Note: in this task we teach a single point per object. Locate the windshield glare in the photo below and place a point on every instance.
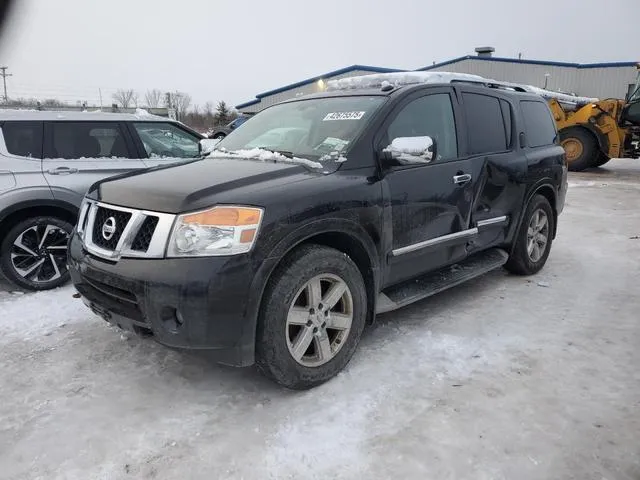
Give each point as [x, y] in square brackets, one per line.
[307, 129]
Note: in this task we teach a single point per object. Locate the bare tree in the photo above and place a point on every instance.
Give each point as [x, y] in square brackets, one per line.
[153, 98]
[181, 101]
[208, 110]
[125, 97]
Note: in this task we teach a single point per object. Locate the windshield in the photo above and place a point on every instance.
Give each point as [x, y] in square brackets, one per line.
[635, 92]
[318, 129]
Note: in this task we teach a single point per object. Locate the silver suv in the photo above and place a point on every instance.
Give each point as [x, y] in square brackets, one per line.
[49, 159]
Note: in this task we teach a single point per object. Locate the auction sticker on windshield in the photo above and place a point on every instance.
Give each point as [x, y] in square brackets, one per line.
[343, 116]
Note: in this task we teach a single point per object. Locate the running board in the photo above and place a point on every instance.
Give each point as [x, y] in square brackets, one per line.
[419, 288]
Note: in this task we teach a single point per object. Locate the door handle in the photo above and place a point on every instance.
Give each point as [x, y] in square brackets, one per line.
[62, 171]
[460, 179]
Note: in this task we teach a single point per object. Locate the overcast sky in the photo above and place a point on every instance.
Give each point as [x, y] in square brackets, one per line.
[232, 50]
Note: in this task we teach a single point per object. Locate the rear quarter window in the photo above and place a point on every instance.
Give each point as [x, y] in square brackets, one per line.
[23, 138]
[486, 123]
[539, 124]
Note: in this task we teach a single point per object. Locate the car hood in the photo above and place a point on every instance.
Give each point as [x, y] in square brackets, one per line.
[196, 184]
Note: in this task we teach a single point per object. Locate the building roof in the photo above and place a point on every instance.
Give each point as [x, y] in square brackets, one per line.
[352, 68]
[49, 115]
[530, 62]
[371, 69]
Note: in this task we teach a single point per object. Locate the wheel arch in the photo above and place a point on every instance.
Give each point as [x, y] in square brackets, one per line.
[343, 235]
[29, 208]
[547, 190]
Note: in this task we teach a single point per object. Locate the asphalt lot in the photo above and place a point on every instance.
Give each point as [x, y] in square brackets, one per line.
[502, 378]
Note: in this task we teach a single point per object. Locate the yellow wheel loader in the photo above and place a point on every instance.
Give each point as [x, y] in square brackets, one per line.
[594, 132]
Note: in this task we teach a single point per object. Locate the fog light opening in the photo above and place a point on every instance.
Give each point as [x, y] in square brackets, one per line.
[171, 319]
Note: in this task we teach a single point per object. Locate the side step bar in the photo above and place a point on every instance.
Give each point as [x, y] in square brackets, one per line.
[419, 288]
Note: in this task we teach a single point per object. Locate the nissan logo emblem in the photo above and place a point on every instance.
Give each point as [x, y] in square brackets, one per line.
[109, 228]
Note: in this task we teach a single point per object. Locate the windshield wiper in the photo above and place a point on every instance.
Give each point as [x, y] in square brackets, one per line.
[284, 153]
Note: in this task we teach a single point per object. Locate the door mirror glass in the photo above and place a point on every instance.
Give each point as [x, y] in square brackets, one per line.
[207, 145]
[411, 150]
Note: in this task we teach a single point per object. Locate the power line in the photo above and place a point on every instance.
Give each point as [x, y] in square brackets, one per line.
[4, 81]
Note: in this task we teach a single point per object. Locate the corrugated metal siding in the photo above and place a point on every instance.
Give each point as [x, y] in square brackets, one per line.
[294, 92]
[607, 82]
[610, 82]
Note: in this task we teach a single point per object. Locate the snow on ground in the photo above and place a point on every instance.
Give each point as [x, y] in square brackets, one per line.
[501, 378]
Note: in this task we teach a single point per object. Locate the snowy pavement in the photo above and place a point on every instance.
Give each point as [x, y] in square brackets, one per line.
[502, 378]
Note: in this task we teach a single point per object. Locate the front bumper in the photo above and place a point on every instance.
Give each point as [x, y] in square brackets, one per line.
[207, 303]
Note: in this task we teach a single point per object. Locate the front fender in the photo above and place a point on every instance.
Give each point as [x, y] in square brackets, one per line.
[280, 250]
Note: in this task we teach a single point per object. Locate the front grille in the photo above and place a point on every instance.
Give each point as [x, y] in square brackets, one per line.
[129, 232]
[102, 215]
[143, 238]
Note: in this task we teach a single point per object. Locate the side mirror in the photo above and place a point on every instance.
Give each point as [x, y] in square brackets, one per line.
[207, 145]
[410, 150]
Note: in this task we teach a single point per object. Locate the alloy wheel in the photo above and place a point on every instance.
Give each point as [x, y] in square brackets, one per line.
[39, 253]
[537, 235]
[319, 320]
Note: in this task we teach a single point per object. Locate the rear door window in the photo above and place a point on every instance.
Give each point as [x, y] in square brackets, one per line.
[486, 127]
[539, 124]
[23, 138]
[76, 140]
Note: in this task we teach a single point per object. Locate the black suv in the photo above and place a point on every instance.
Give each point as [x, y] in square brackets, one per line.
[281, 245]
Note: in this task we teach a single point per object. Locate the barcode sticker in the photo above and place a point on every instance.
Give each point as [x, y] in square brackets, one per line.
[343, 116]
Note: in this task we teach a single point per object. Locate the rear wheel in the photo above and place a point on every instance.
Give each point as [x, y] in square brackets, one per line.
[34, 253]
[312, 317]
[580, 147]
[533, 240]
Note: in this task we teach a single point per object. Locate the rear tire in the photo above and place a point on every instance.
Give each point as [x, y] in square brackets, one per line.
[34, 253]
[534, 238]
[301, 342]
[580, 147]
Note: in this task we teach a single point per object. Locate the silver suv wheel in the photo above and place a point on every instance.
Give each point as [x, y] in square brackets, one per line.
[33, 253]
[319, 320]
[39, 254]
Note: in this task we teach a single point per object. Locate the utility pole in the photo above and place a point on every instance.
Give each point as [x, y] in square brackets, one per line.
[4, 81]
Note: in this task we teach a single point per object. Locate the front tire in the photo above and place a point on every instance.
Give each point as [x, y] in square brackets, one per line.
[581, 148]
[34, 253]
[312, 317]
[533, 240]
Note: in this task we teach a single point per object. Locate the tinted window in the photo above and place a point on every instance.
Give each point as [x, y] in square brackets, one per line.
[431, 115]
[539, 124]
[23, 138]
[75, 140]
[167, 140]
[486, 127]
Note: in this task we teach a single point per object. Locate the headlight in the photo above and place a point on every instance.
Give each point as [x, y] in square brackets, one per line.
[222, 230]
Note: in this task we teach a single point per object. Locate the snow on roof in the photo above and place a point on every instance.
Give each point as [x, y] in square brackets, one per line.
[565, 98]
[397, 79]
[96, 115]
